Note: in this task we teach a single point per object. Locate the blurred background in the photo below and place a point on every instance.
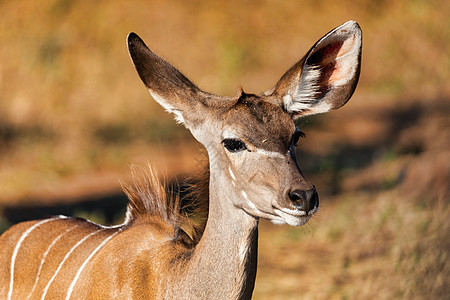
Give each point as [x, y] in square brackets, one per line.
[74, 115]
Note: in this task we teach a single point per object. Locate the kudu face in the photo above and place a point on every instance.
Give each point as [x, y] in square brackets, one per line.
[251, 139]
[258, 153]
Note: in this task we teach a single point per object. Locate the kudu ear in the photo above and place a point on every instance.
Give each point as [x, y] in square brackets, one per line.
[171, 89]
[326, 77]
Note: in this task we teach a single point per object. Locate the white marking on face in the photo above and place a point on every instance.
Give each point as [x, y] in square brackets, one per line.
[250, 203]
[45, 256]
[64, 260]
[231, 174]
[294, 212]
[16, 251]
[278, 221]
[269, 153]
[74, 281]
[228, 134]
[233, 178]
[293, 217]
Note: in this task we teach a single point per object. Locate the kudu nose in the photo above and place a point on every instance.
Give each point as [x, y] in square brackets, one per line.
[305, 200]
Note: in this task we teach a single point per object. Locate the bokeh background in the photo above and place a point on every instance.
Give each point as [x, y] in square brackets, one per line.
[74, 115]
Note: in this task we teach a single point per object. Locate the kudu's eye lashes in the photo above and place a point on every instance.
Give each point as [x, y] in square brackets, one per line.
[234, 145]
[297, 135]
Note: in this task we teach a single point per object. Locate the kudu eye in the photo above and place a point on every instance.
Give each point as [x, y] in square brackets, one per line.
[297, 135]
[234, 145]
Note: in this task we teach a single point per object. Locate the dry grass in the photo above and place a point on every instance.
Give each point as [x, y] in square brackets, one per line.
[71, 101]
[73, 110]
[360, 247]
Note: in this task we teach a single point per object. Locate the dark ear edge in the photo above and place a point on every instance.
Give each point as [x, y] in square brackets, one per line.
[326, 77]
[155, 72]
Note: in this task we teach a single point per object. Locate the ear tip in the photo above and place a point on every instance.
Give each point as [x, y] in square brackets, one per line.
[351, 26]
[351, 23]
[133, 40]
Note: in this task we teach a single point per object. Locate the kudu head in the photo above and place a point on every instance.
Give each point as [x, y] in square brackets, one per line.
[251, 139]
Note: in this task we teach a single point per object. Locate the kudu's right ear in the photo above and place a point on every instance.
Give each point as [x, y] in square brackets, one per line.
[326, 77]
[171, 89]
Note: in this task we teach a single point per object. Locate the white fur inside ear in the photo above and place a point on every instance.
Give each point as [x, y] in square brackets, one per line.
[169, 108]
[308, 87]
[332, 71]
[306, 93]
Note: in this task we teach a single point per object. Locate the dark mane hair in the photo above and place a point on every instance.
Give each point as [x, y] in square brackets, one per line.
[151, 200]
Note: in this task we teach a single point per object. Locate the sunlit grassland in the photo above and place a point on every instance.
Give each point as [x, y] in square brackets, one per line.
[359, 247]
[69, 91]
[74, 115]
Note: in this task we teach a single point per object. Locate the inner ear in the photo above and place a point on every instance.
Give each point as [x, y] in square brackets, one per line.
[327, 76]
[330, 65]
[324, 62]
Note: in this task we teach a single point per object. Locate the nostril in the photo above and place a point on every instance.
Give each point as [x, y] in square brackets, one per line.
[314, 200]
[305, 200]
[298, 198]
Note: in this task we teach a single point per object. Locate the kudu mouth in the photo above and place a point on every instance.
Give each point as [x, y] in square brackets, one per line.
[301, 206]
[304, 205]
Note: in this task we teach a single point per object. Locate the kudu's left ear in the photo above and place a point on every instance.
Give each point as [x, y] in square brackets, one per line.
[326, 77]
[171, 89]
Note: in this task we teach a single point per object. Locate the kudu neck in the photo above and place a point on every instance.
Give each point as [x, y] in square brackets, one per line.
[226, 255]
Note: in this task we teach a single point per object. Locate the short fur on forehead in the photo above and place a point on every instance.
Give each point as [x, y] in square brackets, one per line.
[261, 123]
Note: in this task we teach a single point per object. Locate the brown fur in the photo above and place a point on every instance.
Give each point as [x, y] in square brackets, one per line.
[274, 128]
[197, 200]
[150, 199]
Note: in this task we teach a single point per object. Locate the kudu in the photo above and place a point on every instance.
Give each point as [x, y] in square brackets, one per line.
[250, 140]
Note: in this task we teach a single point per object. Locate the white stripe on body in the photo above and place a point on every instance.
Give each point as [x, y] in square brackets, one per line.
[16, 250]
[64, 260]
[44, 256]
[72, 285]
